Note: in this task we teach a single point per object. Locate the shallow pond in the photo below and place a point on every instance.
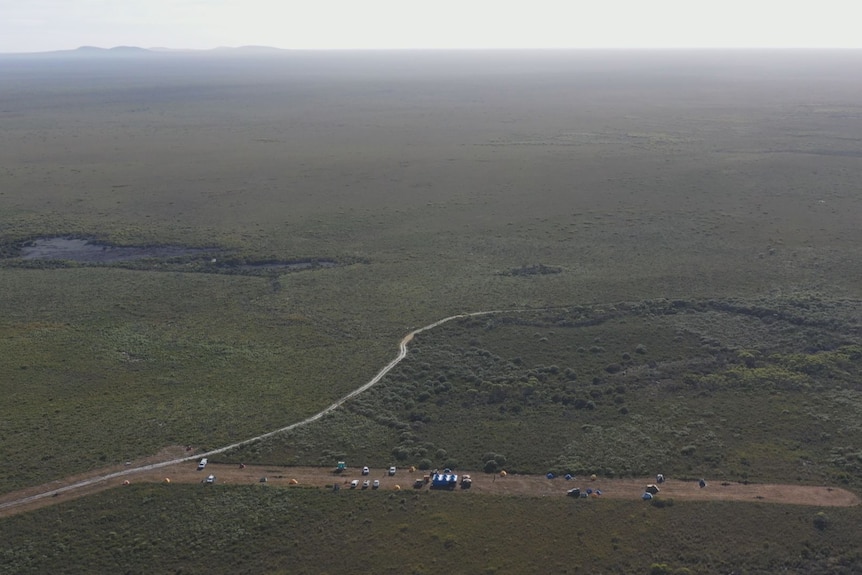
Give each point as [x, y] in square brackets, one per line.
[83, 250]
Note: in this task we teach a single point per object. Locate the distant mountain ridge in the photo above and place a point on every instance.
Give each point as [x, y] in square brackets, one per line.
[114, 49]
[126, 51]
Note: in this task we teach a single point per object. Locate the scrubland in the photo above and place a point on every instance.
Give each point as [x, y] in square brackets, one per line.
[678, 232]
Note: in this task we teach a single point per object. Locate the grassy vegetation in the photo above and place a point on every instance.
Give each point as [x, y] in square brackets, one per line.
[724, 389]
[197, 529]
[108, 365]
[719, 200]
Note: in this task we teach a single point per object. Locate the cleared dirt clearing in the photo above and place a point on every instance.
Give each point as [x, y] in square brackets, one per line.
[515, 485]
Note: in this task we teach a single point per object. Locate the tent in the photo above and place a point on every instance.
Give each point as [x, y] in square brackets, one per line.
[646, 496]
[444, 481]
[652, 488]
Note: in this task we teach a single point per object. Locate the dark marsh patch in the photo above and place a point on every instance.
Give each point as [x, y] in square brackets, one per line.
[533, 270]
[275, 266]
[90, 251]
[84, 250]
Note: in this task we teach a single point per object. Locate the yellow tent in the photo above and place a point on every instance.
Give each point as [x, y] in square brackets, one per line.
[503, 474]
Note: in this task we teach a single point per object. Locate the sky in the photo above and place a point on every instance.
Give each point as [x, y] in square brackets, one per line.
[44, 25]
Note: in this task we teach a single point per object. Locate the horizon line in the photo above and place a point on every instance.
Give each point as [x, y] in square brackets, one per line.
[167, 49]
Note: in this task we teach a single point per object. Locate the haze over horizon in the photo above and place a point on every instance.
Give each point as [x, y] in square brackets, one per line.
[48, 25]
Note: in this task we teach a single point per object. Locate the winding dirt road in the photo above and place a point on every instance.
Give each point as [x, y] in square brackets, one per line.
[89, 482]
[178, 465]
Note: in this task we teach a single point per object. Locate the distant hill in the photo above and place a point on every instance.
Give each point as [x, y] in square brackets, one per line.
[86, 52]
[136, 51]
[114, 50]
[251, 49]
[111, 52]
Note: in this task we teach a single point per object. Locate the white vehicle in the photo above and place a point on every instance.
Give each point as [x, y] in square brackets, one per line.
[376, 484]
[211, 479]
[202, 463]
[392, 470]
[365, 471]
[365, 484]
[354, 484]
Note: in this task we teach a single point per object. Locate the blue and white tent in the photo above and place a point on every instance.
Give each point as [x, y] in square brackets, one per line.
[444, 480]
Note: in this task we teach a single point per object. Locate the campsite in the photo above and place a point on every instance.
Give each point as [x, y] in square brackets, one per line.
[628, 489]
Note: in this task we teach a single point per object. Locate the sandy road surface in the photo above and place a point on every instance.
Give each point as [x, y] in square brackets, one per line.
[515, 485]
[529, 485]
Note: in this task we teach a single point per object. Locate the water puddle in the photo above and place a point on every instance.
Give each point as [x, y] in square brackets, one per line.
[86, 251]
[205, 260]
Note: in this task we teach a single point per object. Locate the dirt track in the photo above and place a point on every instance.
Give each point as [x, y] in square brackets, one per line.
[178, 465]
[523, 485]
[42, 495]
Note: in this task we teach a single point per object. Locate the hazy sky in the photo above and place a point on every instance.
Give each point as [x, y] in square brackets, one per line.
[37, 25]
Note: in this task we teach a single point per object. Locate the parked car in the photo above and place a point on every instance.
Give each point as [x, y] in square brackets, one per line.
[354, 484]
[210, 479]
[376, 484]
[202, 463]
[419, 484]
[392, 470]
[365, 471]
[366, 484]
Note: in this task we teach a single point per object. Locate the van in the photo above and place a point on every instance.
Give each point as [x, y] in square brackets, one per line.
[202, 463]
